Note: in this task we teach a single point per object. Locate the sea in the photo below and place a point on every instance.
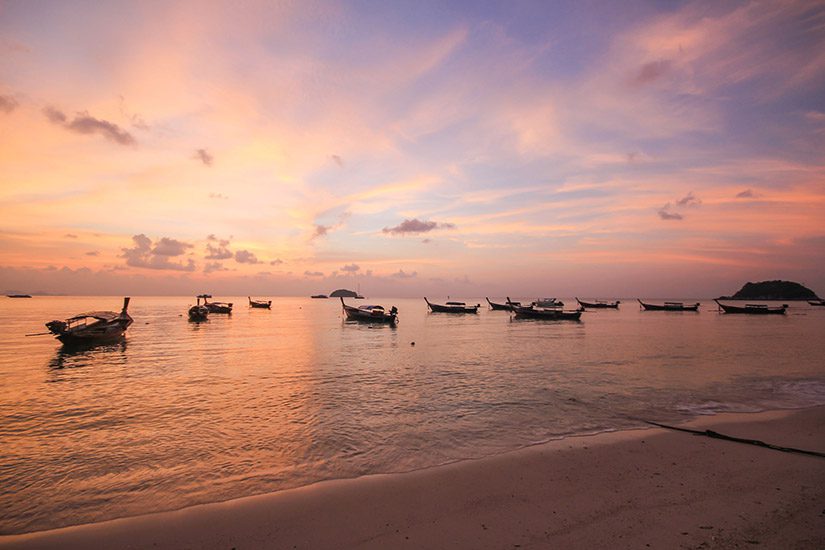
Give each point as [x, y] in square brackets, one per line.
[182, 413]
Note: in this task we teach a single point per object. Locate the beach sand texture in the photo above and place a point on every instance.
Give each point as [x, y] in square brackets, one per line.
[647, 488]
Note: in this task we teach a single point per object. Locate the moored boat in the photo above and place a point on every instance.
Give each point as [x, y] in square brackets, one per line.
[452, 307]
[93, 327]
[669, 306]
[497, 306]
[319, 296]
[599, 304]
[547, 303]
[370, 313]
[547, 313]
[18, 295]
[198, 312]
[216, 307]
[260, 304]
[753, 309]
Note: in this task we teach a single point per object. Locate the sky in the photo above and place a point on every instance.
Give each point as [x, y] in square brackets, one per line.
[549, 148]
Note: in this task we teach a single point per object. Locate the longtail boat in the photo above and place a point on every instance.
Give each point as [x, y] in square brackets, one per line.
[260, 304]
[599, 304]
[452, 307]
[753, 309]
[216, 307]
[547, 303]
[550, 314]
[18, 295]
[93, 327]
[670, 306]
[817, 302]
[370, 314]
[198, 312]
[497, 306]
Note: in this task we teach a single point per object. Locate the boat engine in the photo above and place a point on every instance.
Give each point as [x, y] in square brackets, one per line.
[56, 327]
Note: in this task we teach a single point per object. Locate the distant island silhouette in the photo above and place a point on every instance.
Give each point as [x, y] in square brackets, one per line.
[773, 290]
[343, 293]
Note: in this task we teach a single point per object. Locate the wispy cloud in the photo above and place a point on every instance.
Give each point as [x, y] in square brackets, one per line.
[401, 274]
[689, 200]
[217, 249]
[350, 268]
[83, 123]
[416, 226]
[746, 194]
[246, 257]
[313, 273]
[204, 156]
[320, 230]
[7, 104]
[665, 213]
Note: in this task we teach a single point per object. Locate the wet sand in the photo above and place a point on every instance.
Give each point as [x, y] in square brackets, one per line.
[648, 488]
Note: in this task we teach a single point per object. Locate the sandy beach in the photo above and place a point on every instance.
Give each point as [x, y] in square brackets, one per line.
[651, 488]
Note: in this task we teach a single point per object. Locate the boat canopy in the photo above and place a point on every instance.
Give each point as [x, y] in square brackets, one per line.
[456, 304]
[101, 315]
[371, 308]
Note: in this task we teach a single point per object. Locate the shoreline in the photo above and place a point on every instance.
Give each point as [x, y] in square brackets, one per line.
[625, 488]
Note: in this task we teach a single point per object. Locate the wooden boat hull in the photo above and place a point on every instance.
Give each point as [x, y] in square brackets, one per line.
[362, 317]
[439, 308]
[370, 316]
[259, 304]
[670, 306]
[219, 307]
[106, 326]
[547, 314]
[501, 307]
[599, 305]
[753, 309]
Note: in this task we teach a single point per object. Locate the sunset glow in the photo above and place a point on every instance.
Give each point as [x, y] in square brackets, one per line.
[534, 148]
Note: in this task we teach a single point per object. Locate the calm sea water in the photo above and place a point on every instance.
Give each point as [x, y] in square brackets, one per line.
[183, 413]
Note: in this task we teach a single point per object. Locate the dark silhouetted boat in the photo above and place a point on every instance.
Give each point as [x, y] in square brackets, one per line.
[18, 295]
[548, 313]
[599, 304]
[817, 302]
[753, 309]
[216, 307]
[670, 306]
[452, 307]
[547, 303]
[260, 304]
[198, 312]
[319, 296]
[370, 314]
[506, 307]
[93, 327]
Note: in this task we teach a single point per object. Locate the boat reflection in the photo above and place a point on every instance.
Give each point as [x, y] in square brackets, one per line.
[70, 357]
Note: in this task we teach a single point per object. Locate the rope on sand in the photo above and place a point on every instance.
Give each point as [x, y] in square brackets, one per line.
[717, 435]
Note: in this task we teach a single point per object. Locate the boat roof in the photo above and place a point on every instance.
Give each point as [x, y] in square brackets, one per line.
[101, 315]
[369, 308]
[456, 303]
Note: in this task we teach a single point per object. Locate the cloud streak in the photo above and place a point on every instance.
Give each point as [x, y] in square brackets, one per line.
[416, 226]
[84, 123]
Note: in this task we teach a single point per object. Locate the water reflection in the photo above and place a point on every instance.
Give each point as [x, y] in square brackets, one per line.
[82, 356]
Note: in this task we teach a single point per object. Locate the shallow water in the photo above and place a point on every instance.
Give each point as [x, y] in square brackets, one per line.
[182, 413]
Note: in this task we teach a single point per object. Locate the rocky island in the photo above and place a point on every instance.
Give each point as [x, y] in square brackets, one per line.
[773, 290]
[343, 293]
